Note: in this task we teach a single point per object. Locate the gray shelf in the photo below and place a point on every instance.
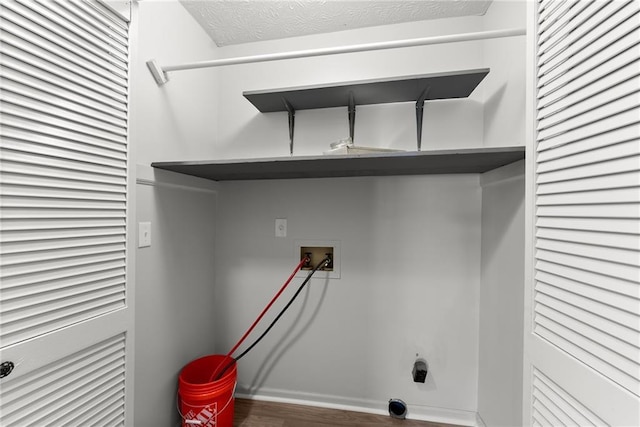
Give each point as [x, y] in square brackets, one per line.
[454, 84]
[416, 88]
[388, 164]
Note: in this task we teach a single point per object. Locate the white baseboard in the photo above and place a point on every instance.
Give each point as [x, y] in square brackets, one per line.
[414, 411]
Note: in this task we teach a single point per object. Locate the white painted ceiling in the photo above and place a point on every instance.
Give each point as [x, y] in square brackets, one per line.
[231, 22]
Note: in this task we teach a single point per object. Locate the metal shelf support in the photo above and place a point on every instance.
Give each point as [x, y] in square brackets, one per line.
[420, 115]
[291, 112]
[352, 115]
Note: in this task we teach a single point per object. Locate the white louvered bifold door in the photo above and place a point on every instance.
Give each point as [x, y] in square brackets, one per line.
[63, 212]
[584, 340]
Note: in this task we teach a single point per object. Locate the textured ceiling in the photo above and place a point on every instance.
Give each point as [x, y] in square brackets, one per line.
[241, 21]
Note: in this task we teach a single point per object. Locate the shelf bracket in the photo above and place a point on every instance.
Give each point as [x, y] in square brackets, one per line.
[352, 115]
[420, 114]
[292, 115]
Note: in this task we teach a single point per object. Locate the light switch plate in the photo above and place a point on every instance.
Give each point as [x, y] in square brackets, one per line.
[144, 234]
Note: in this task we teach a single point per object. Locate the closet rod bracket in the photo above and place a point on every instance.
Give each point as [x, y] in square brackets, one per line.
[157, 72]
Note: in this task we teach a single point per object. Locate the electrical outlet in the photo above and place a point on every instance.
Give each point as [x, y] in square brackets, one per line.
[317, 250]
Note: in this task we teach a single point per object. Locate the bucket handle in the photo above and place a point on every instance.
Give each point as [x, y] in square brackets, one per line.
[198, 422]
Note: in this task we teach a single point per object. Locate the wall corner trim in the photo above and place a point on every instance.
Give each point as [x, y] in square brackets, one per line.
[505, 173]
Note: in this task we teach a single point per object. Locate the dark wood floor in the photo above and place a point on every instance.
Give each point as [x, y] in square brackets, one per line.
[254, 413]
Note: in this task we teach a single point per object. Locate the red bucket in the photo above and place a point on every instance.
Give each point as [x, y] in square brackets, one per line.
[203, 402]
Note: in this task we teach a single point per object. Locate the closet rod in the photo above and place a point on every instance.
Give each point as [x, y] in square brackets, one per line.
[160, 72]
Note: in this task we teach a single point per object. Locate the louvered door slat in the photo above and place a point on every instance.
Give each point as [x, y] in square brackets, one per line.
[94, 280]
[41, 195]
[54, 60]
[620, 241]
[104, 17]
[99, 391]
[92, 19]
[557, 397]
[548, 23]
[49, 123]
[570, 12]
[612, 181]
[30, 77]
[577, 32]
[55, 109]
[575, 55]
[587, 351]
[610, 152]
[34, 177]
[546, 415]
[52, 151]
[606, 124]
[586, 299]
[107, 412]
[593, 58]
[63, 124]
[68, 388]
[58, 98]
[22, 136]
[619, 195]
[556, 118]
[565, 98]
[594, 299]
[545, 12]
[32, 32]
[608, 326]
[37, 325]
[596, 279]
[83, 45]
[559, 417]
[70, 13]
[594, 114]
[91, 40]
[38, 237]
[626, 164]
[15, 54]
[42, 129]
[620, 271]
[624, 225]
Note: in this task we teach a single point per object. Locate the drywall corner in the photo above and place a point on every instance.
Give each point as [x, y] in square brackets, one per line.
[501, 297]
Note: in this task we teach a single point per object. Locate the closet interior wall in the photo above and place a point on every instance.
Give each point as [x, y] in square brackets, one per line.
[411, 246]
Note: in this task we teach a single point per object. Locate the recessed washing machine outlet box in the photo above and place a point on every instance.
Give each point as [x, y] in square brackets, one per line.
[318, 250]
[315, 255]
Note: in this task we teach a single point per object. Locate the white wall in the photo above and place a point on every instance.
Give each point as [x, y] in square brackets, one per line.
[409, 285]
[177, 121]
[175, 276]
[502, 297]
[174, 317]
[504, 87]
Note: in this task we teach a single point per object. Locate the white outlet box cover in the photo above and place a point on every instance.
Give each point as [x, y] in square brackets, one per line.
[281, 227]
[335, 244]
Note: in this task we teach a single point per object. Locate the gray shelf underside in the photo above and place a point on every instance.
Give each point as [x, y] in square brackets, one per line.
[388, 164]
[455, 84]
